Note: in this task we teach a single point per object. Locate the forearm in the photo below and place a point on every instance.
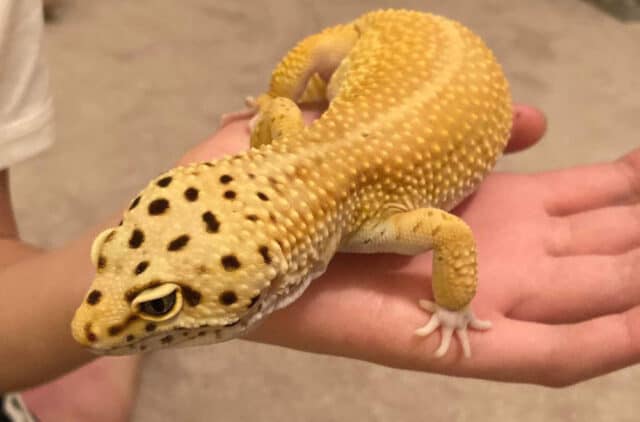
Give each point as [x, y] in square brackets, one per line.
[39, 295]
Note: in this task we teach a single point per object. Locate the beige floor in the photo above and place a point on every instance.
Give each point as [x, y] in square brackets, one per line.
[137, 82]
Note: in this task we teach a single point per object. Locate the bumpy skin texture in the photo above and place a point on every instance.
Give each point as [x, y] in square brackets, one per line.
[419, 112]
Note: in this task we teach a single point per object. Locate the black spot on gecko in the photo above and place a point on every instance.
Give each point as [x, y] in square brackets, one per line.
[213, 225]
[136, 239]
[191, 194]
[231, 324]
[143, 348]
[191, 296]
[208, 164]
[230, 262]
[225, 178]
[166, 339]
[94, 297]
[130, 338]
[228, 297]
[134, 203]
[251, 176]
[164, 182]
[91, 337]
[178, 243]
[150, 327]
[201, 333]
[262, 196]
[252, 217]
[158, 206]
[264, 251]
[115, 330]
[230, 194]
[141, 267]
[102, 262]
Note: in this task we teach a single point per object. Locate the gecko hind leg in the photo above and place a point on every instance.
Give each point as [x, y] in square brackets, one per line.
[454, 276]
[278, 119]
[302, 76]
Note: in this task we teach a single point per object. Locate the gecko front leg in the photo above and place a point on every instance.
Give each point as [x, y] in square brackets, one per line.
[454, 278]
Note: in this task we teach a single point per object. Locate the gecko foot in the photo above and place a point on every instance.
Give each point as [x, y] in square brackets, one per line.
[450, 321]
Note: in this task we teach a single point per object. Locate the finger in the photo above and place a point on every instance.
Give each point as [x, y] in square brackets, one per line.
[464, 342]
[559, 355]
[593, 186]
[529, 125]
[611, 230]
[582, 287]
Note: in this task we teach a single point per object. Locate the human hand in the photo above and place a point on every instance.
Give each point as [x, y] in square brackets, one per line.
[556, 254]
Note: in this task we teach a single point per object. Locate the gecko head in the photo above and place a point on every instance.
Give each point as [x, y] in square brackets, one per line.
[189, 264]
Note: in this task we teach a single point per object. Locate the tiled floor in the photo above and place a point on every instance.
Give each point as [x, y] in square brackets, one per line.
[137, 83]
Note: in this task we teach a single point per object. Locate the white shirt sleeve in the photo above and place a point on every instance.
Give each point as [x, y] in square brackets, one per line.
[26, 118]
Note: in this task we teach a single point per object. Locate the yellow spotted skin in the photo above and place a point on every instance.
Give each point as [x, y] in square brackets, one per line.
[419, 111]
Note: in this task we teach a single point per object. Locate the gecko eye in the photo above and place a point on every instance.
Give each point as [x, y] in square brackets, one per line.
[160, 306]
[158, 303]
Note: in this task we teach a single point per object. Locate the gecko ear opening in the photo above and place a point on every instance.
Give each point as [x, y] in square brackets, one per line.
[158, 303]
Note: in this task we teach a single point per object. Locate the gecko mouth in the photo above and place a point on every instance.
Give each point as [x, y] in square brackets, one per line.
[182, 337]
[208, 334]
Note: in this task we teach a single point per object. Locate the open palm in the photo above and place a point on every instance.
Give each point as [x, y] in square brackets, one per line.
[557, 256]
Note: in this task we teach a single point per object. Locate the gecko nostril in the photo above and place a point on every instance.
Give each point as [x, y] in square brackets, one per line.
[89, 334]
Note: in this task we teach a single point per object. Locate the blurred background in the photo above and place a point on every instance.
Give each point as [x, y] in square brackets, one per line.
[137, 83]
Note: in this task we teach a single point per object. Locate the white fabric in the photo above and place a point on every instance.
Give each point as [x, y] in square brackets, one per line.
[26, 126]
[14, 409]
